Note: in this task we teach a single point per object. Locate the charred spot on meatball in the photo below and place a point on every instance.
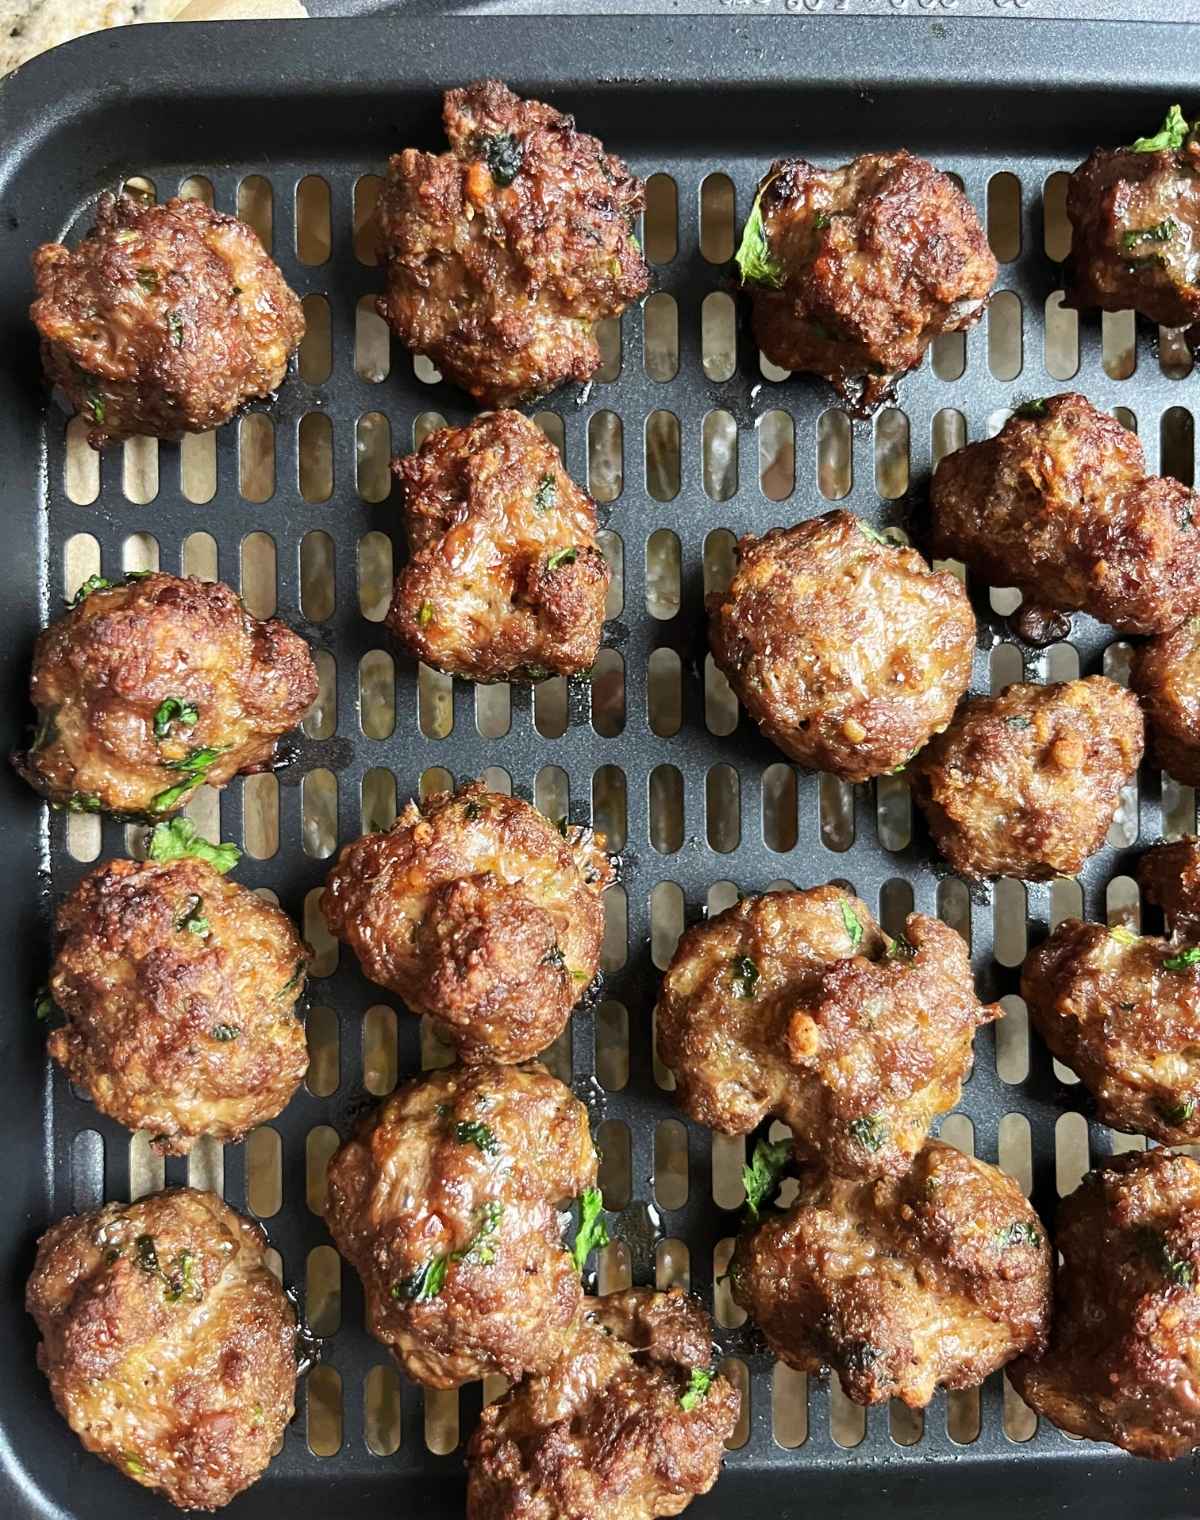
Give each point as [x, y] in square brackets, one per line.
[847, 651]
[796, 1005]
[1123, 1012]
[479, 912]
[933, 1279]
[503, 252]
[855, 271]
[504, 579]
[150, 688]
[1059, 504]
[1166, 676]
[629, 1422]
[179, 989]
[1135, 218]
[164, 320]
[446, 1203]
[1126, 1338]
[1026, 783]
[1169, 876]
[169, 1346]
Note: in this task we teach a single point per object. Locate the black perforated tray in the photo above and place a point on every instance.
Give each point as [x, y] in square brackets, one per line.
[674, 95]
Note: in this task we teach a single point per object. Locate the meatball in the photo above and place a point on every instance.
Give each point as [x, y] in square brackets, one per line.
[1135, 220]
[1169, 876]
[155, 686]
[855, 271]
[903, 1285]
[446, 1203]
[628, 1422]
[165, 319]
[846, 651]
[1059, 504]
[504, 577]
[1026, 783]
[796, 1005]
[503, 252]
[1123, 1012]
[479, 912]
[1166, 675]
[179, 989]
[169, 1346]
[1123, 1358]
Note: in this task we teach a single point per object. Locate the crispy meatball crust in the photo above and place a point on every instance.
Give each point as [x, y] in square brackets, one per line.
[1026, 783]
[504, 579]
[169, 1346]
[604, 1431]
[503, 252]
[1166, 675]
[179, 989]
[1123, 1012]
[1169, 876]
[446, 1203]
[479, 912]
[797, 1005]
[1059, 504]
[866, 264]
[164, 320]
[848, 653]
[933, 1279]
[1135, 219]
[1124, 1359]
[107, 670]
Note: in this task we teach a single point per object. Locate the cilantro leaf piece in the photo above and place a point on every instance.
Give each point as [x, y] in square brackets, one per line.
[1019, 1233]
[1122, 935]
[175, 328]
[869, 1131]
[180, 839]
[756, 264]
[43, 1004]
[745, 976]
[546, 495]
[853, 928]
[93, 583]
[225, 1032]
[1173, 1113]
[1171, 135]
[425, 614]
[592, 1234]
[1184, 961]
[563, 557]
[874, 534]
[192, 917]
[761, 1177]
[174, 710]
[699, 1383]
[473, 1132]
[504, 154]
[1033, 408]
[1160, 232]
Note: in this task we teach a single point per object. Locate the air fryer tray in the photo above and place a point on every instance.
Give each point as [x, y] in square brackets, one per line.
[683, 97]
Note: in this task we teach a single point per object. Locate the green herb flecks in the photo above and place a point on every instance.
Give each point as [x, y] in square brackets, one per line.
[82, 802]
[504, 155]
[761, 1177]
[148, 279]
[93, 583]
[425, 614]
[900, 949]
[195, 767]
[225, 1032]
[563, 557]
[1176, 1269]
[1170, 136]
[869, 1131]
[546, 495]
[180, 839]
[473, 1132]
[1177, 1113]
[1019, 722]
[95, 404]
[756, 264]
[554, 957]
[592, 1234]
[430, 1278]
[1184, 961]
[1161, 232]
[425, 1283]
[293, 981]
[175, 328]
[43, 1004]
[745, 976]
[699, 1383]
[873, 534]
[191, 917]
[1122, 935]
[133, 1466]
[853, 928]
[1019, 1233]
[146, 1255]
[1033, 408]
[180, 1282]
[821, 220]
[174, 710]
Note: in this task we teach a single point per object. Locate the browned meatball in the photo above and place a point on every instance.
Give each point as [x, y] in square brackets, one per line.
[1124, 1358]
[504, 577]
[902, 1285]
[164, 320]
[1123, 1012]
[503, 252]
[1135, 219]
[155, 686]
[846, 651]
[478, 911]
[169, 1346]
[797, 1005]
[627, 1424]
[446, 1203]
[1166, 675]
[179, 989]
[854, 271]
[1169, 876]
[1059, 504]
[1026, 783]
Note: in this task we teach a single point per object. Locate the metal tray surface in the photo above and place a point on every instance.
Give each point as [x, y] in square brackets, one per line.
[681, 98]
